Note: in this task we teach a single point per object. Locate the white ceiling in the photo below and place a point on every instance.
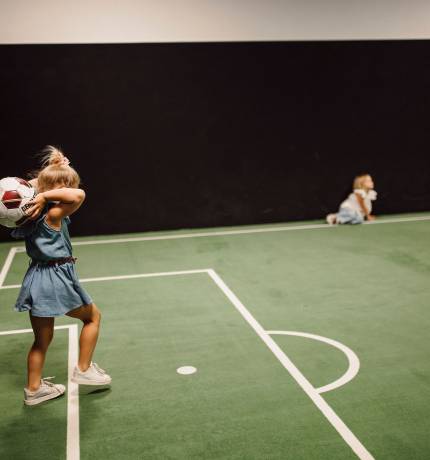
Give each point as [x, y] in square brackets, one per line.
[116, 21]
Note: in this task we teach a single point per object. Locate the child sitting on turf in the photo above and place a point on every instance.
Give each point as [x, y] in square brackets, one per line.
[51, 287]
[358, 206]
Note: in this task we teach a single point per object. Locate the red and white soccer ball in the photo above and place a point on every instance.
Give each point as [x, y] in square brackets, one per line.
[15, 193]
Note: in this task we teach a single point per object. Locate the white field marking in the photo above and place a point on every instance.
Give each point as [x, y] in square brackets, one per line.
[307, 387]
[353, 361]
[24, 331]
[186, 370]
[72, 391]
[20, 249]
[143, 275]
[73, 448]
[235, 232]
[7, 264]
[126, 277]
[338, 424]
[11, 286]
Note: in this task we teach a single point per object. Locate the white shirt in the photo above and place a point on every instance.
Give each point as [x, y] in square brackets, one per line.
[352, 202]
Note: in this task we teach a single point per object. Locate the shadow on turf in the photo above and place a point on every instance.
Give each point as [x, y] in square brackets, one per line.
[87, 390]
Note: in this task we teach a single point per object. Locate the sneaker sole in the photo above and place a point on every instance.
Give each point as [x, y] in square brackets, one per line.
[34, 402]
[89, 382]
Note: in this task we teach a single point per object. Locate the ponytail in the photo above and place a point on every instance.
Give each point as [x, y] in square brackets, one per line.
[51, 155]
[55, 170]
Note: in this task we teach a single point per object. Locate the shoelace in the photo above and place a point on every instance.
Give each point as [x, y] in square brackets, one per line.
[45, 381]
[98, 369]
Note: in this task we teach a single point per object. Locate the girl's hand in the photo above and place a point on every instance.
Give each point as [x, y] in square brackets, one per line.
[37, 205]
[370, 217]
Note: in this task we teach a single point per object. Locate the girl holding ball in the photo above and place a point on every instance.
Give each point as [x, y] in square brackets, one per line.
[51, 287]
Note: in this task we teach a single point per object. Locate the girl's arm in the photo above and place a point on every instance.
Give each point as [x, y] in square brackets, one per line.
[360, 200]
[70, 199]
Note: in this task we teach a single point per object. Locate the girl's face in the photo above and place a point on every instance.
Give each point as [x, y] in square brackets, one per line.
[368, 183]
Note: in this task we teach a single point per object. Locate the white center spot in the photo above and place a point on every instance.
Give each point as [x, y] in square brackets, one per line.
[186, 370]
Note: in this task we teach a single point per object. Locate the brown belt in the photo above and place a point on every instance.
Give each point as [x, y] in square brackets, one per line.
[52, 262]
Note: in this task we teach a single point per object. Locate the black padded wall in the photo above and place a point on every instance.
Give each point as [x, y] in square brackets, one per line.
[210, 134]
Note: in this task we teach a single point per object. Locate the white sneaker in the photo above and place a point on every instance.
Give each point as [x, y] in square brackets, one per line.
[47, 390]
[94, 375]
[331, 219]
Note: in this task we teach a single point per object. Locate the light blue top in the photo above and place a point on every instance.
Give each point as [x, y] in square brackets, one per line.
[49, 290]
[43, 242]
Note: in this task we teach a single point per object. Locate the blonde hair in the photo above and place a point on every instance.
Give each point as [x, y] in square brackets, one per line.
[55, 170]
[358, 181]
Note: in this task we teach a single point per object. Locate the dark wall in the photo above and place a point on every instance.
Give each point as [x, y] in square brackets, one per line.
[210, 134]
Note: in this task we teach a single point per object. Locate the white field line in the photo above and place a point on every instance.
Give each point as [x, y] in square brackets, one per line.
[143, 275]
[306, 386]
[25, 331]
[353, 361]
[72, 390]
[73, 447]
[11, 286]
[235, 232]
[73, 395]
[7, 264]
[125, 277]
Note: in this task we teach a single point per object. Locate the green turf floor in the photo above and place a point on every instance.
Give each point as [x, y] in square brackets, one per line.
[365, 286]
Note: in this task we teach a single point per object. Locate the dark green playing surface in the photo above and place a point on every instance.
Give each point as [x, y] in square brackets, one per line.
[364, 286]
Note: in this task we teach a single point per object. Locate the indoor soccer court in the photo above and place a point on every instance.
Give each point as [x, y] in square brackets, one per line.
[298, 341]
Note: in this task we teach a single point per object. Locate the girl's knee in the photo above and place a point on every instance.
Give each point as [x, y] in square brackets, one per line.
[86, 313]
[43, 341]
[97, 314]
[94, 315]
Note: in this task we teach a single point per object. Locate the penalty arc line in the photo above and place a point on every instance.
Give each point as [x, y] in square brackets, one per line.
[306, 386]
[353, 361]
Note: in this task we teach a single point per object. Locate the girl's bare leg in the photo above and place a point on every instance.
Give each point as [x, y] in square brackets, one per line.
[43, 329]
[90, 316]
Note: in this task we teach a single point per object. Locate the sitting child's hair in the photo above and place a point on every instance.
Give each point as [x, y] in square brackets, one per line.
[55, 170]
[359, 181]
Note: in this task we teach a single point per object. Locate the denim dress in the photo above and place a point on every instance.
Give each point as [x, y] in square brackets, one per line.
[49, 290]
